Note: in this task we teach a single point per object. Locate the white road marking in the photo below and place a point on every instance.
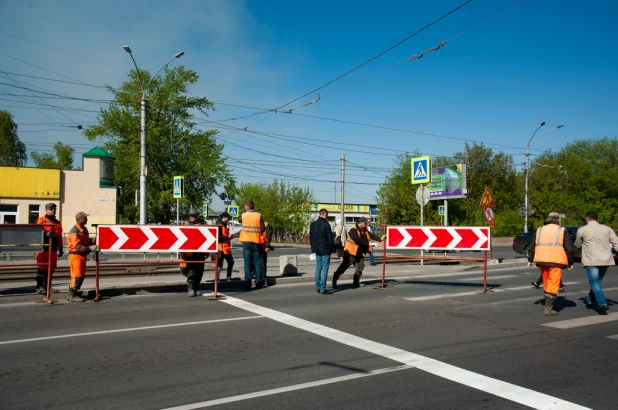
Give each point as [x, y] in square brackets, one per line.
[453, 295]
[613, 337]
[288, 388]
[489, 278]
[540, 296]
[583, 321]
[133, 329]
[468, 378]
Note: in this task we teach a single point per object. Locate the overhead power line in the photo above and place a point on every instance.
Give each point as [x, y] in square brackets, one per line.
[59, 81]
[377, 55]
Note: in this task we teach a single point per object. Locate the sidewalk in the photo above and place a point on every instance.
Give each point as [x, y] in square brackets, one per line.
[175, 282]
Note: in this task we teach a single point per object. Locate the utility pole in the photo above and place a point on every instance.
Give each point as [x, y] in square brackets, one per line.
[142, 162]
[342, 189]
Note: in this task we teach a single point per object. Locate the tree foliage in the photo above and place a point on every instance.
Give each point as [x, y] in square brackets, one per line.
[12, 150]
[63, 158]
[579, 178]
[174, 145]
[284, 206]
[397, 196]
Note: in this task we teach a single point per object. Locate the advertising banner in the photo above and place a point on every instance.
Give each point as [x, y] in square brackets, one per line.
[448, 182]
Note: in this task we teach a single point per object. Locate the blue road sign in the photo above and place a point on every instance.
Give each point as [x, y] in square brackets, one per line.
[205, 210]
[177, 187]
[441, 210]
[421, 170]
[233, 211]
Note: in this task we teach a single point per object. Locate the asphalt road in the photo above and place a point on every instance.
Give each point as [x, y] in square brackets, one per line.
[289, 347]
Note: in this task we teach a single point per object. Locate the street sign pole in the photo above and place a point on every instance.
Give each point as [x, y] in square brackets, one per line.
[446, 212]
[177, 211]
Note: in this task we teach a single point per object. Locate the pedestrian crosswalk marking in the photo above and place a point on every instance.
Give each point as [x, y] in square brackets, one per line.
[420, 171]
[583, 321]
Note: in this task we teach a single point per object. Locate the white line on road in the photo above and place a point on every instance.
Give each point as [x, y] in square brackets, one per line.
[615, 337]
[582, 321]
[540, 296]
[103, 332]
[286, 389]
[453, 295]
[468, 378]
[489, 278]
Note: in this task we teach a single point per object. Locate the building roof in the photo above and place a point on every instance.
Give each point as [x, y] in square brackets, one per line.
[98, 152]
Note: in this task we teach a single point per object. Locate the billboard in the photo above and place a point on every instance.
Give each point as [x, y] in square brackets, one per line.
[448, 182]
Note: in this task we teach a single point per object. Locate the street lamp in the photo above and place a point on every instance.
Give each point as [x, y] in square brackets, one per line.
[527, 199]
[142, 156]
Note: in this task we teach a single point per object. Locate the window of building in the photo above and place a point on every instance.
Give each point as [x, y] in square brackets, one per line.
[350, 219]
[8, 214]
[33, 213]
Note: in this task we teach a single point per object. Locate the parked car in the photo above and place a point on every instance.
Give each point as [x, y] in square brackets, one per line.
[521, 244]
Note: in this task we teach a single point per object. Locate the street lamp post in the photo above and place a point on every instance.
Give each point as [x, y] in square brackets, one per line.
[143, 213]
[527, 199]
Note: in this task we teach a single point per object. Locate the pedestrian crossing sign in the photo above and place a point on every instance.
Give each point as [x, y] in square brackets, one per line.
[233, 211]
[441, 210]
[177, 187]
[205, 210]
[421, 170]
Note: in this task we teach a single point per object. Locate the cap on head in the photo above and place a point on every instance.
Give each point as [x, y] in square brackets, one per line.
[50, 205]
[225, 215]
[362, 219]
[81, 214]
[194, 212]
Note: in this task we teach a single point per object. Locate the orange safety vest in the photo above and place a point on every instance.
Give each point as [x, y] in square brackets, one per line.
[351, 247]
[250, 231]
[51, 226]
[77, 239]
[263, 234]
[549, 245]
[225, 244]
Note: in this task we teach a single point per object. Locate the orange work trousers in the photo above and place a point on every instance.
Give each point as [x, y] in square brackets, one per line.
[42, 259]
[77, 264]
[552, 276]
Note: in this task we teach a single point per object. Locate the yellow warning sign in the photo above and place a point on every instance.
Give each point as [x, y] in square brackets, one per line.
[488, 198]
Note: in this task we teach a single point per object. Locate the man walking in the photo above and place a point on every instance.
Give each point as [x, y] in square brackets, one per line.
[551, 249]
[193, 271]
[356, 246]
[323, 245]
[225, 246]
[252, 240]
[594, 239]
[79, 248]
[53, 230]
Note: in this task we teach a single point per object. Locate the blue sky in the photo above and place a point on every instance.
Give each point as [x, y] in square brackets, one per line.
[545, 60]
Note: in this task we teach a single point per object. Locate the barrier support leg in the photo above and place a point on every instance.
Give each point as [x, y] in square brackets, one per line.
[97, 298]
[215, 295]
[485, 290]
[383, 285]
[47, 299]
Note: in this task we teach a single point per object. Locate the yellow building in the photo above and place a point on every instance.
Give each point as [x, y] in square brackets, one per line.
[25, 191]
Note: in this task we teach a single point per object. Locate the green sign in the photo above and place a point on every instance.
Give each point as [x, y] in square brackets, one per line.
[233, 211]
[441, 210]
[177, 187]
[205, 210]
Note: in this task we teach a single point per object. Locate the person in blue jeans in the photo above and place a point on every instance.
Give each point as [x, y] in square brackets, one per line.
[594, 239]
[323, 245]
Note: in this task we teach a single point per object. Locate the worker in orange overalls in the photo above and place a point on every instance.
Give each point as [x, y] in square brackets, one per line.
[551, 249]
[225, 246]
[252, 240]
[193, 271]
[266, 236]
[52, 230]
[357, 245]
[79, 248]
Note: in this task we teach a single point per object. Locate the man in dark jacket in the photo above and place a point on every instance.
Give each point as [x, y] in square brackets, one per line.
[356, 246]
[323, 245]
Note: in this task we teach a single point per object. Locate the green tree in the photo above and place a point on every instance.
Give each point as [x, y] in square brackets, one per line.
[174, 145]
[63, 158]
[397, 196]
[284, 206]
[579, 178]
[12, 150]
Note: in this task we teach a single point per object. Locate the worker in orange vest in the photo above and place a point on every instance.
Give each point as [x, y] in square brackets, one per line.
[252, 240]
[225, 246]
[356, 246]
[52, 230]
[193, 271]
[551, 249]
[79, 248]
[267, 247]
